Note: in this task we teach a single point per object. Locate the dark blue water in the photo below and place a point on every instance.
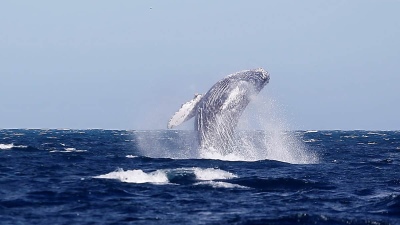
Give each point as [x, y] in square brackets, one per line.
[157, 177]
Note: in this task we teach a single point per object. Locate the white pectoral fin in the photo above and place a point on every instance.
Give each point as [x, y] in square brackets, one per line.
[186, 112]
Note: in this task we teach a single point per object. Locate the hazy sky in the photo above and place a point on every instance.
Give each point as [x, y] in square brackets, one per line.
[131, 64]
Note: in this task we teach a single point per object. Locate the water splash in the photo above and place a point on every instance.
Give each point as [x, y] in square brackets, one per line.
[174, 144]
[262, 134]
[275, 140]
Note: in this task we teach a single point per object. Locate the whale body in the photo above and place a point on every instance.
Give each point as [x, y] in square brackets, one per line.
[218, 111]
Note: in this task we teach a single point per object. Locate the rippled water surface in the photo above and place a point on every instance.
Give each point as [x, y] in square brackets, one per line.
[160, 177]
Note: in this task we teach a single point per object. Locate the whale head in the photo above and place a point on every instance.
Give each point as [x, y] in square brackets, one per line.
[263, 74]
[257, 77]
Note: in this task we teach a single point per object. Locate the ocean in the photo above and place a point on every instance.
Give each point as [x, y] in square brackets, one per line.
[161, 177]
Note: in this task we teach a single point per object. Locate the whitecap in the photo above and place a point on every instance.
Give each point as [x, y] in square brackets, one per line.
[311, 131]
[350, 136]
[10, 146]
[6, 146]
[213, 174]
[161, 176]
[376, 133]
[137, 176]
[69, 150]
[131, 156]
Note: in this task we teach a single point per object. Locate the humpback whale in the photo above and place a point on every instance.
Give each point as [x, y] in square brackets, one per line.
[218, 111]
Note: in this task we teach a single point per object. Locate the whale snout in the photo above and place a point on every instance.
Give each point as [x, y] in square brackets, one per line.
[263, 74]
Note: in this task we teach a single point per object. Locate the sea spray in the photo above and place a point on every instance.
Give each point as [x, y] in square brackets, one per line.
[262, 134]
[271, 137]
[174, 144]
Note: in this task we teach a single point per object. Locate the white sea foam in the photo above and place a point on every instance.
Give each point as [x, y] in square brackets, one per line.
[212, 174]
[161, 176]
[69, 150]
[6, 146]
[10, 146]
[351, 136]
[234, 156]
[137, 176]
[310, 140]
[131, 156]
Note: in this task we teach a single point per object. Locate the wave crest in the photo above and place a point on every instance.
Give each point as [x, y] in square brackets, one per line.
[168, 176]
[11, 146]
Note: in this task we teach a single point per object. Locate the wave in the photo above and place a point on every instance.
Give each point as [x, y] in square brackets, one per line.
[306, 218]
[136, 176]
[389, 204]
[310, 131]
[214, 178]
[172, 176]
[69, 150]
[250, 146]
[11, 146]
[283, 184]
[220, 184]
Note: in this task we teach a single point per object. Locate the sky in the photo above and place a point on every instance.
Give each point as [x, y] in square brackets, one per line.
[334, 64]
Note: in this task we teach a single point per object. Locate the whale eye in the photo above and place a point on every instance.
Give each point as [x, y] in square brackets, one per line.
[253, 81]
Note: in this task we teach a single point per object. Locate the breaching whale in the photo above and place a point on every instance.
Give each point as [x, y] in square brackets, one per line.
[218, 111]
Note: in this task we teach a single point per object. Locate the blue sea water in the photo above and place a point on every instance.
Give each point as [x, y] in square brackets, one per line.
[159, 177]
